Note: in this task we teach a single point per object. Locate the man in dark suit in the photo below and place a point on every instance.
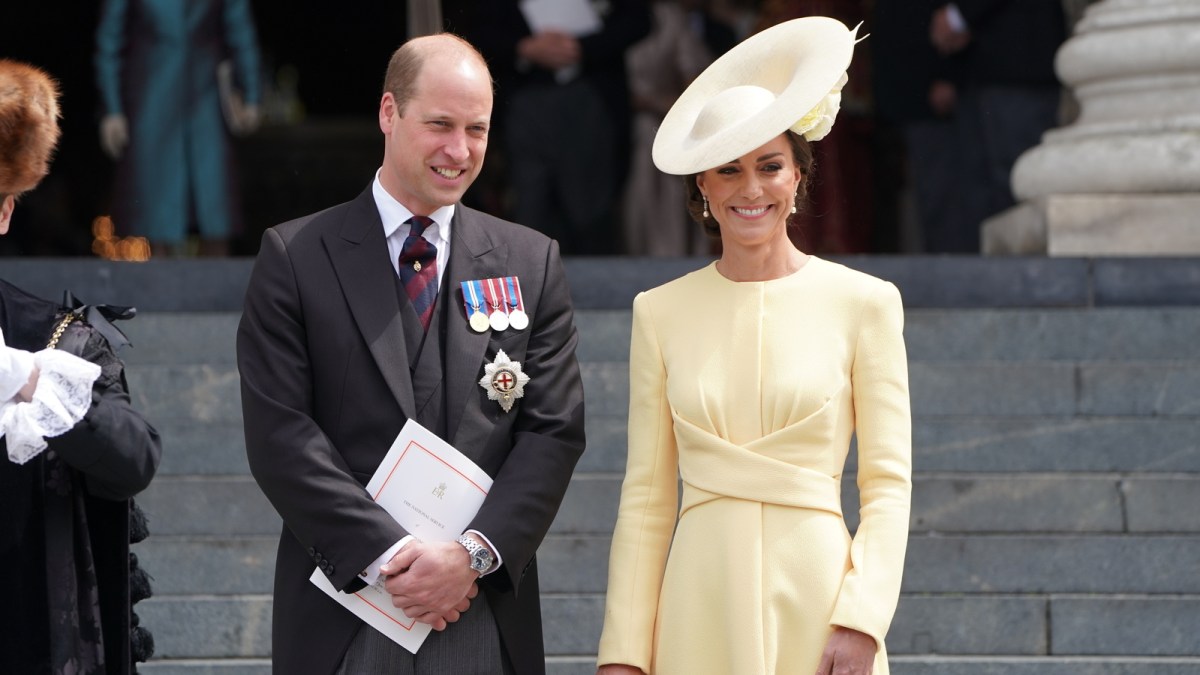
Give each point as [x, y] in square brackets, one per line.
[1008, 99]
[338, 346]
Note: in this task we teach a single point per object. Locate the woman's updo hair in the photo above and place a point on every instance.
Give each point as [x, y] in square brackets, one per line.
[802, 154]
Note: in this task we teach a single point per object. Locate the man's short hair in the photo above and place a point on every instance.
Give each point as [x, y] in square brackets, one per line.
[405, 66]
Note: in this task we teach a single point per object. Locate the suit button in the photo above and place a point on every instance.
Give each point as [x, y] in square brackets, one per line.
[330, 570]
[323, 564]
[311, 551]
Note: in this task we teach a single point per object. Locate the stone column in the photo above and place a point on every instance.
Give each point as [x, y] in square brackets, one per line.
[424, 17]
[1124, 178]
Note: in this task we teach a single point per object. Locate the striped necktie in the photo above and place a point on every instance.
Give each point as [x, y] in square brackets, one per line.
[418, 269]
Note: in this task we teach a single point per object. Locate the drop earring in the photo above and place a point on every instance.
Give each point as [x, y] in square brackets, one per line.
[705, 198]
[794, 197]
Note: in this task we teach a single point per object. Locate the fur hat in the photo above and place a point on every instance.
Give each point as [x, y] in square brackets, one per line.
[28, 126]
[789, 76]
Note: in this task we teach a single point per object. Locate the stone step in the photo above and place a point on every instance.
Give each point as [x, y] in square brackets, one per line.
[1044, 665]
[202, 627]
[968, 444]
[210, 395]
[1140, 334]
[935, 563]
[159, 666]
[956, 502]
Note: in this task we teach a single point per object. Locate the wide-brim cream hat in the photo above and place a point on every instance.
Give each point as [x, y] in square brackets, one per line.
[789, 76]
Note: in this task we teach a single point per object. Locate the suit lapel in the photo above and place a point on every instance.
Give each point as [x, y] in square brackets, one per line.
[473, 255]
[359, 254]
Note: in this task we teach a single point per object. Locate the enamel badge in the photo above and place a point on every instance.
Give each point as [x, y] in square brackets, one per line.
[503, 380]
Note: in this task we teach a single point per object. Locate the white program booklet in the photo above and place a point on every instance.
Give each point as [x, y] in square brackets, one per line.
[433, 491]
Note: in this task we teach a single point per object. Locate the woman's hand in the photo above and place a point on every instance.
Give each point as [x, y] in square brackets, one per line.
[848, 652]
[25, 393]
[618, 669]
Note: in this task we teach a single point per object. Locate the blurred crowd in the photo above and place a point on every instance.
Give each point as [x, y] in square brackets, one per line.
[188, 129]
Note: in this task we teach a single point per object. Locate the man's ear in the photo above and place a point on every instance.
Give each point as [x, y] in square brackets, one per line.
[387, 112]
[6, 211]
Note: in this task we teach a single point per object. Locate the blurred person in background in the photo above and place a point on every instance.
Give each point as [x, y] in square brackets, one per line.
[660, 67]
[563, 114]
[1009, 98]
[167, 122]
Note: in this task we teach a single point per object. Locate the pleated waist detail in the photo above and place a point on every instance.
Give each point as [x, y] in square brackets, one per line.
[714, 468]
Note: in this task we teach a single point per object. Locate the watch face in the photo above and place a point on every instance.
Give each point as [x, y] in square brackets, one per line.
[481, 560]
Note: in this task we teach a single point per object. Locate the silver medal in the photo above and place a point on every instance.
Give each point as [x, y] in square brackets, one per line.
[518, 319]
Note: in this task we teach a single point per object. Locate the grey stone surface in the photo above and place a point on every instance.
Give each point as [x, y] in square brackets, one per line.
[207, 667]
[192, 627]
[194, 447]
[208, 565]
[590, 505]
[220, 505]
[570, 665]
[1052, 334]
[571, 623]
[992, 389]
[198, 393]
[1126, 626]
[603, 334]
[1144, 281]
[1053, 665]
[208, 284]
[607, 439]
[1056, 563]
[1141, 389]
[574, 563]
[1020, 503]
[1068, 443]
[178, 338]
[211, 285]
[968, 625]
[606, 387]
[1162, 503]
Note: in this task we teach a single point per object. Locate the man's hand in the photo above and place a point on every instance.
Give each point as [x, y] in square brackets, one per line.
[943, 98]
[114, 135]
[551, 50]
[947, 37]
[848, 652]
[431, 582]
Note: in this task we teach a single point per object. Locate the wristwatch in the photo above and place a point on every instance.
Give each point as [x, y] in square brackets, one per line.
[481, 557]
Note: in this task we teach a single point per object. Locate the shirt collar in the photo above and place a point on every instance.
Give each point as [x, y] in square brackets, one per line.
[394, 215]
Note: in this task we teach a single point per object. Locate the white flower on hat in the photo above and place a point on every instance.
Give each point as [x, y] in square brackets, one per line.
[819, 121]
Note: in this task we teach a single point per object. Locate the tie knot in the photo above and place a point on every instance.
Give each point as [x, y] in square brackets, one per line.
[418, 224]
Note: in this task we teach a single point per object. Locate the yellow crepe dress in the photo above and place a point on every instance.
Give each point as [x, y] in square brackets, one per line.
[750, 393]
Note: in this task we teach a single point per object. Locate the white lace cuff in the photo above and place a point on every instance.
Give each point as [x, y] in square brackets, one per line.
[62, 397]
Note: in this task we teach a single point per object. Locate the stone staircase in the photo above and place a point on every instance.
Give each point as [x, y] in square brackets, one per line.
[1055, 525]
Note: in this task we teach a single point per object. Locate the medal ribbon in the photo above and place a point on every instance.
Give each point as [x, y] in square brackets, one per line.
[472, 297]
[493, 297]
[515, 301]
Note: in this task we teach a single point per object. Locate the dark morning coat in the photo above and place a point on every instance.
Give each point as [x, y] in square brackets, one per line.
[325, 354]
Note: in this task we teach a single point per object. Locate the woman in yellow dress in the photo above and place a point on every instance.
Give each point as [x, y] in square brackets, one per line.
[748, 379]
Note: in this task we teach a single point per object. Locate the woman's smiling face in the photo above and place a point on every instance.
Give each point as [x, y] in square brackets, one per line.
[752, 196]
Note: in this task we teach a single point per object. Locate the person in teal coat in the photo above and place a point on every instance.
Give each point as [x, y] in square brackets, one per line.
[157, 69]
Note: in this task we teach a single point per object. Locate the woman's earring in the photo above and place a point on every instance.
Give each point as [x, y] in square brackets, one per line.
[794, 198]
[705, 198]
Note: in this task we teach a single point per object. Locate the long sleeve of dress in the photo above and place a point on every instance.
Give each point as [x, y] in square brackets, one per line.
[648, 508]
[879, 377]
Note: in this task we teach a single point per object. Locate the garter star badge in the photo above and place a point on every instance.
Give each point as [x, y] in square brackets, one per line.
[503, 380]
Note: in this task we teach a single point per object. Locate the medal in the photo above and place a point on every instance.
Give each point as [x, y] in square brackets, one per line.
[479, 322]
[517, 318]
[503, 380]
[473, 302]
[497, 319]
